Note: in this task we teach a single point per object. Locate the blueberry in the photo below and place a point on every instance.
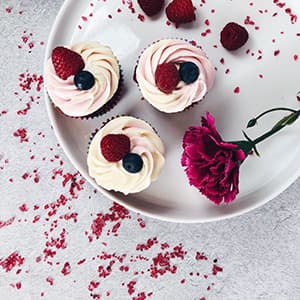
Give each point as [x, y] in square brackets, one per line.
[188, 72]
[84, 80]
[132, 163]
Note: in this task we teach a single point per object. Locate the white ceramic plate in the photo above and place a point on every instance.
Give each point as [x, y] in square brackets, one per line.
[265, 81]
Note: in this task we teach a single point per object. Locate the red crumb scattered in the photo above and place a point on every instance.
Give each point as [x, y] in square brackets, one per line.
[117, 213]
[295, 57]
[130, 287]
[216, 269]
[66, 270]
[8, 9]
[18, 285]
[200, 256]
[22, 133]
[23, 207]
[149, 244]
[236, 90]
[206, 32]
[141, 222]
[248, 21]
[14, 259]
[7, 223]
[50, 280]
[162, 262]
[276, 52]
[28, 81]
[80, 262]
[141, 17]
[93, 285]
[25, 110]
[288, 11]
[140, 296]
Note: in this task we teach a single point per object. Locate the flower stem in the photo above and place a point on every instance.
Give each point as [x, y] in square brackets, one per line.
[253, 121]
[288, 120]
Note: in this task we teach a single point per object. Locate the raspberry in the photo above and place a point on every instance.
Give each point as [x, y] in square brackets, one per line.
[167, 77]
[66, 62]
[115, 146]
[233, 36]
[151, 7]
[181, 11]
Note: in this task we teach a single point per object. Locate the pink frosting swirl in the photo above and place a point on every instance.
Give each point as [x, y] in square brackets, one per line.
[176, 51]
[101, 62]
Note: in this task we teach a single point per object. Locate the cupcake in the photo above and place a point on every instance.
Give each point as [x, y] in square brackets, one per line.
[125, 155]
[172, 75]
[83, 80]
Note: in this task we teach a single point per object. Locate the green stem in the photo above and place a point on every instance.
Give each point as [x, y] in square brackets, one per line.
[274, 109]
[280, 125]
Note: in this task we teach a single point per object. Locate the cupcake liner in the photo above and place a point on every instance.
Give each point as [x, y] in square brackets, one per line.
[193, 43]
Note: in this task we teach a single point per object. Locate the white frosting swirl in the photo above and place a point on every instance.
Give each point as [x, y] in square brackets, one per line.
[176, 51]
[101, 62]
[143, 141]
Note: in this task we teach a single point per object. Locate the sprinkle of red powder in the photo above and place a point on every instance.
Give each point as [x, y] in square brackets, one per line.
[14, 259]
[248, 21]
[93, 285]
[27, 80]
[7, 223]
[141, 17]
[23, 207]
[130, 287]
[216, 269]
[80, 262]
[50, 280]
[149, 244]
[66, 270]
[200, 256]
[141, 222]
[8, 10]
[236, 90]
[25, 110]
[276, 52]
[22, 133]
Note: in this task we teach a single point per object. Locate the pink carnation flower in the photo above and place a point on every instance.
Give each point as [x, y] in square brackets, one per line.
[211, 164]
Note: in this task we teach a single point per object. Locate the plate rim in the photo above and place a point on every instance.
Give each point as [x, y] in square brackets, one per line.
[107, 194]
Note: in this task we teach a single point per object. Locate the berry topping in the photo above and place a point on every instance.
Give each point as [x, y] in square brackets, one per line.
[84, 80]
[233, 36]
[66, 62]
[188, 72]
[132, 163]
[181, 11]
[151, 7]
[166, 77]
[115, 146]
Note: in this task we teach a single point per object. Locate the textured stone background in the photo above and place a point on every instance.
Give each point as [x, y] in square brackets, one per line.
[61, 240]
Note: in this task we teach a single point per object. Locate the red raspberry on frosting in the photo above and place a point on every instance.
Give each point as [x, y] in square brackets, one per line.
[66, 62]
[233, 36]
[167, 77]
[115, 146]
